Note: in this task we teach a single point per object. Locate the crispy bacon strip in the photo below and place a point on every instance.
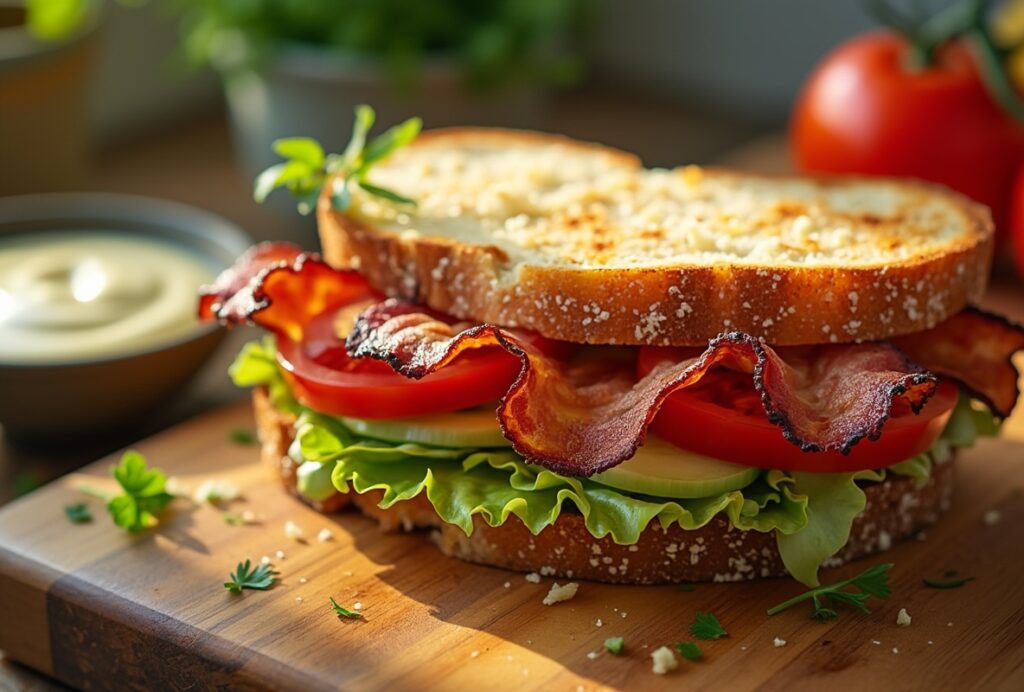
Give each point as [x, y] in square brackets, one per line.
[975, 348]
[559, 416]
[280, 288]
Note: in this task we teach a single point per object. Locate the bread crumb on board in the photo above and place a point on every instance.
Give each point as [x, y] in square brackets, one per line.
[663, 660]
[903, 618]
[560, 593]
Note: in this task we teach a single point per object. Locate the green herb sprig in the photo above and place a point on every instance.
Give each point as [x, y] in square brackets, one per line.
[614, 645]
[78, 513]
[144, 493]
[307, 168]
[873, 581]
[343, 612]
[260, 578]
[707, 627]
[689, 650]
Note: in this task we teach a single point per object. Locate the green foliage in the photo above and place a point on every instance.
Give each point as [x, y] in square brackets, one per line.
[143, 493]
[872, 582]
[307, 168]
[242, 436]
[492, 42]
[245, 576]
[706, 626]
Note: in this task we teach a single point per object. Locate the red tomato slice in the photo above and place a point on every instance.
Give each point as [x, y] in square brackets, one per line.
[722, 417]
[325, 378]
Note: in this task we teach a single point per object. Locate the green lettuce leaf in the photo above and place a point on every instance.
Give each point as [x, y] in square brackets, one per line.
[810, 514]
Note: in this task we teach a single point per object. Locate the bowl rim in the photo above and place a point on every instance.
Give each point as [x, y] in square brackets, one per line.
[191, 223]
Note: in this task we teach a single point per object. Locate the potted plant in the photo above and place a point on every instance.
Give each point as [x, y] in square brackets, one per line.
[45, 60]
[300, 68]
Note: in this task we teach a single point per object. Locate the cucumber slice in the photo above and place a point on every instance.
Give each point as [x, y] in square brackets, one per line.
[661, 469]
[473, 428]
[313, 480]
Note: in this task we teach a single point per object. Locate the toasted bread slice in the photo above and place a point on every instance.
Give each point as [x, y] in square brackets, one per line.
[895, 509]
[579, 242]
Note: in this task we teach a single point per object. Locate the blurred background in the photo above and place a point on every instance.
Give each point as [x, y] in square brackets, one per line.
[181, 99]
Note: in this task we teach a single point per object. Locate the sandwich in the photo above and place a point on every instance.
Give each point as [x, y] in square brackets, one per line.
[553, 360]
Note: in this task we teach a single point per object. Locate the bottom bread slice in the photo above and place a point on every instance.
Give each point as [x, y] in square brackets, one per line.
[896, 509]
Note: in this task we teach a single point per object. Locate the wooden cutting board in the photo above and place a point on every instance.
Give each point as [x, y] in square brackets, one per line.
[97, 608]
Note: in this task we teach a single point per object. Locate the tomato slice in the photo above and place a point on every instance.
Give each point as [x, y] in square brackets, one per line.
[722, 417]
[324, 377]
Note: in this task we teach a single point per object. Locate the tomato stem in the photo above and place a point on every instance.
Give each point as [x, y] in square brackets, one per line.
[991, 70]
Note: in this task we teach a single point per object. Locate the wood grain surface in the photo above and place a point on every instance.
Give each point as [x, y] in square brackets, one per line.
[97, 608]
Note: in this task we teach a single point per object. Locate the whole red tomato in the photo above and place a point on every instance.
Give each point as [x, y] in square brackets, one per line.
[864, 110]
[1017, 221]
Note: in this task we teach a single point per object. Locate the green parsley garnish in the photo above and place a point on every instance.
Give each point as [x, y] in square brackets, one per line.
[874, 581]
[707, 627]
[242, 436]
[689, 650]
[144, 493]
[343, 612]
[308, 168]
[78, 513]
[614, 645]
[244, 577]
[233, 519]
[946, 583]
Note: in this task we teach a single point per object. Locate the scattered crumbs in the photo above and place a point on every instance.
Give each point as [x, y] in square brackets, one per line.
[215, 490]
[292, 530]
[598, 623]
[593, 654]
[533, 578]
[623, 613]
[779, 642]
[949, 624]
[903, 618]
[992, 517]
[930, 642]
[507, 585]
[357, 606]
[174, 486]
[560, 593]
[348, 573]
[895, 650]
[298, 599]
[663, 660]
[248, 517]
[325, 535]
[876, 642]
[279, 554]
[303, 580]
[265, 560]
[743, 648]
[474, 653]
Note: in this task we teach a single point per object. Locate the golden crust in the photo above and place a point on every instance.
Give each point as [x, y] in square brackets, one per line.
[895, 509]
[684, 304]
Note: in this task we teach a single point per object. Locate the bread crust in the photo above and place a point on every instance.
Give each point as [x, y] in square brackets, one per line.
[895, 510]
[673, 305]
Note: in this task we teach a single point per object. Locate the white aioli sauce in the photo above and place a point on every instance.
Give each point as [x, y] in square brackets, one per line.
[88, 294]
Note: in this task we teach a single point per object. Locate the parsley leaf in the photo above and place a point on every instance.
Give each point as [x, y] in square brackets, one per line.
[244, 577]
[78, 513]
[343, 612]
[689, 650]
[144, 493]
[307, 168]
[614, 645]
[707, 627]
[242, 436]
[946, 583]
[874, 581]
